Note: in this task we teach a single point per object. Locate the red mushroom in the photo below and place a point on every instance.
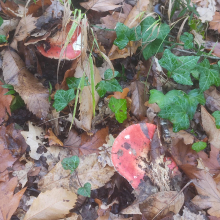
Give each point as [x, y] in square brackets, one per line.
[130, 150]
[56, 43]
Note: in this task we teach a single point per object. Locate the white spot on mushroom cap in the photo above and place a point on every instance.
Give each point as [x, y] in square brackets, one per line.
[127, 136]
[130, 152]
[77, 44]
[135, 177]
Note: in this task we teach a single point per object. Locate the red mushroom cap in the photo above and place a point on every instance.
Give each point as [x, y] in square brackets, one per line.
[73, 49]
[130, 149]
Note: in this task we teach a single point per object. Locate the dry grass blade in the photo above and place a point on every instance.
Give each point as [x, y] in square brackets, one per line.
[29, 88]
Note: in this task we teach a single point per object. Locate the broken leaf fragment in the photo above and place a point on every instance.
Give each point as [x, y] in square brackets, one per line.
[130, 149]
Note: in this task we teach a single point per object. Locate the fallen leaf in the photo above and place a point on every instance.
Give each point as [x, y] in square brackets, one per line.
[8, 200]
[153, 204]
[12, 145]
[86, 101]
[211, 161]
[101, 5]
[90, 144]
[31, 91]
[35, 7]
[214, 46]
[120, 95]
[89, 170]
[53, 205]
[187, 137]
[209, 196]
[138, 97]
[212, 96]
[4, 176]
[10, 8]
[33, 138]
[215, 23]
[208, 123]
[53, 140]
[5, 101]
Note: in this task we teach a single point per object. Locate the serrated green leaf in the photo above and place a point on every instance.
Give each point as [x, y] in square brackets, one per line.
[3, 39]
[73, 82]
[179, 67]
[177, 106]
[62, 98]
[108, 74]
[198, 146]
[119, 107]
[152, 48]
[208, 76]
[1, 21]
[70, 163]
[85, 190]
[108, 86]
[126, 34]
[187, 39]
[216, 115]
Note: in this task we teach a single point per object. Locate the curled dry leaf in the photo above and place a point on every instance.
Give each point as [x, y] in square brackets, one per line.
[8, 200]
[53, 140]
[53, 205]
[138, 98]
[153, 204]
[212, 96]
[101, 5]
[187, 137]
[86, 101]
[31, 91]
[215, 23]
[208, 123]
[5, 102]
[89, 170]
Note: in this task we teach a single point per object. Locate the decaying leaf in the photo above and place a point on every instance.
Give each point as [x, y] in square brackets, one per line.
[85, 99]
[187, 137]
[138, 98]
[153, 204]
[212, 96]
[101, 5]
[33, 138]
[5, 101]
[54, 204]
[53, 140]
[8, 200]
[208, 123]
[89, 170]
[120, 95]
[215, 23]
[31, 91]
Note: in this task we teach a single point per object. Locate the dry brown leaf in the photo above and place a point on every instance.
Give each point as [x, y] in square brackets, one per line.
[89, 170]
[187, 137]
[31, 91]
[120, 95]
[12, 145]
[153, 204]
[138, 97]
[53, 205]
[85, 97]
[209, 196]
[10, 8]
[208, 123]
[212, 96]
[209, 45]
[101, 5]
[215, 23]
[211, 161]
[132, 20]
[53, 140]
[5, 101]
[35, 7]
[4, 176]
[8, 200]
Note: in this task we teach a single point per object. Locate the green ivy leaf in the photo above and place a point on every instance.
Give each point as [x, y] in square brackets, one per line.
[85, 190]
[70, 163]
[108, 86]
[216, 115]
[209, 75]
[179, 67]
[73, 82]
[3, 39]
[108, 74]
[126, 34]
[177, 106]
[62, 98]
[187, 39]
[198, 146]
[119, 107]
[1, 21]
[17, 103]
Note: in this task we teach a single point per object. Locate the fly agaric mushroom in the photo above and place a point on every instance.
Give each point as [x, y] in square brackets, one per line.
[130, 149]
[73, 49]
